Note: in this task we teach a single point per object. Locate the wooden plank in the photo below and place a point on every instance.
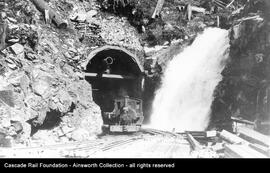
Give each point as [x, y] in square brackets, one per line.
[112, 76]
[230, 153]
[198, 9]
[158, 8]
[241, 151]
[254, 136]
[193, 142]
[230, 4]
[261, 149]
[197, 134]
[211, 133]
[238, 120]
[220, 4]
[202, 134]
[191, 9]
[231, 138]
[257, 17]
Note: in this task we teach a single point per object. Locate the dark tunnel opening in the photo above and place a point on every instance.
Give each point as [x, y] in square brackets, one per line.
[113, 74]
[114, 62]
[52, 119]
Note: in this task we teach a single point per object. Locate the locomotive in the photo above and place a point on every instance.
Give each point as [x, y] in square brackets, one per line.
[127, 115]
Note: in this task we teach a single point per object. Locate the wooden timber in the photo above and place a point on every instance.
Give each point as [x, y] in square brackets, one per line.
[238, 120]
[261, 149]
[230, 4]
[112, 76]
[231, 138]
[253, 136]
[193, 142]
[191, 9]
[241, 151]
[197, 134]
[158, 8]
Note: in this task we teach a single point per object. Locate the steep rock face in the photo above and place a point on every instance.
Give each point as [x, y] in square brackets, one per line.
[97, 28]
[243, 92]
[42, 86]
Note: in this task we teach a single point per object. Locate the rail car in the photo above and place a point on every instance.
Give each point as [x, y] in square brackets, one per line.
[127, 116]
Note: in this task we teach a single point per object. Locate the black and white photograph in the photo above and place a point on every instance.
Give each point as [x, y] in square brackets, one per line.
[133, 79]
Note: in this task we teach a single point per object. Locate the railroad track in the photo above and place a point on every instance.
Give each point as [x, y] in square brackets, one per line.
[89, 151]
[164, 141]
[88, 148]
[73, 149]
[160, 132]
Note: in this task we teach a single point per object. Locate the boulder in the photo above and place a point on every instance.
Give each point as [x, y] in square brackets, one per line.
[26, 130]
[15, 78]
[82, 16]
[64, 101]
[5, 123]
[17, 48]
[89, 119]
[41, 87]
[90, 14]
[3, 84]
[17, 126]
[35, 102]
[81, 91]
[6, 96]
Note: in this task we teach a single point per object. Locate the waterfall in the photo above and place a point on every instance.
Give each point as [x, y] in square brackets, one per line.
[183, 102]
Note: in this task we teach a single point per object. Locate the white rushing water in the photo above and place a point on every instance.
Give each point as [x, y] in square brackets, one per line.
[184, 99]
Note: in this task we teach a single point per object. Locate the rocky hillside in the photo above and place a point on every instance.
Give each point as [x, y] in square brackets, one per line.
[43, 93]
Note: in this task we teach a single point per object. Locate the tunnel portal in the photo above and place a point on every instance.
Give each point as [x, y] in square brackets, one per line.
[113, 72]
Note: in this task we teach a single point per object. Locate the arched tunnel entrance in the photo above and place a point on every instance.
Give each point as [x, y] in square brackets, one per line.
[113, 72]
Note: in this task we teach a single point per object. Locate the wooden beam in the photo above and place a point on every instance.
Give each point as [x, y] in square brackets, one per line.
[197, 134]
[238, 120]
[254, 136]
[261, 149]
[158, 8]
[231, 138]
[241, 151]
[191, 9]
[193, 142]
[257, 17]
[218, 21]
[111, 76]
[220, 4]
[230, 4]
